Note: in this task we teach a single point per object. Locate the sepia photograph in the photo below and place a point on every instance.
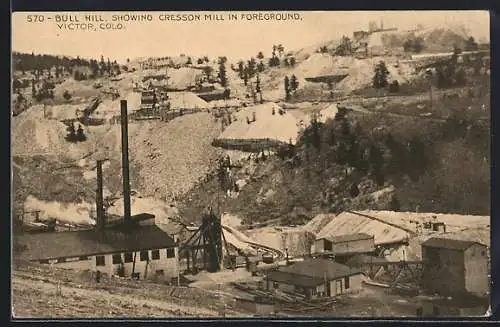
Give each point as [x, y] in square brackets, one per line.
[271, 164]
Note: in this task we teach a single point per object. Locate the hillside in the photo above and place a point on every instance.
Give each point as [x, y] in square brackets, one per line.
[39, 292]
[166, 167]
[50, 168]
[370, 167]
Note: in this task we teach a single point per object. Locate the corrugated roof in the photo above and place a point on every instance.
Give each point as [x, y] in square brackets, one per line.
[446, 243]
[320, 268]
[293, 279]
[348, 238]
[360, 222]
[352, 223]
[91, 242]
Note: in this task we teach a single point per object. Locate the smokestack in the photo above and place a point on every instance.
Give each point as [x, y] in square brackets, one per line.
[125, 166]
[99, 197]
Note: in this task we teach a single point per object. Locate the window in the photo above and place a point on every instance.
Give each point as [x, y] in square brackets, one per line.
[100, 260]
[155, 254]
[346, 283]
[313, 291]
[61, 260]
[160, 272]
[328, 245]
[83, 257]
[117, 259]
[144, 255]
[170, 253]
[129, 257]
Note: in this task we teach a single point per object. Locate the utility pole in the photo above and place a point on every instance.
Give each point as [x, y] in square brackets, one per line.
[429, 76]
[125, 161]
[430, 94]
[176, 240]
[99, 198]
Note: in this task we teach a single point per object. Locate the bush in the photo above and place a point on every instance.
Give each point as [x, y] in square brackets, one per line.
[394, 87]
[66, 95]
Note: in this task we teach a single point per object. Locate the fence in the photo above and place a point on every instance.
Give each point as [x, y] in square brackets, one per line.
[247, 145]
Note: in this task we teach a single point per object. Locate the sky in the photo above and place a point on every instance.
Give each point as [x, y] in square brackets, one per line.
[236, 39]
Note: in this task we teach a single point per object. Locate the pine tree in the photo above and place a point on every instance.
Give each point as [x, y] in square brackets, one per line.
[354, 190]
[258, 89]
[66, 95]
[245, 75]
[294, 83]
[380, 77]
[376, 160]
[241, 68]
[261, 67]
[222, 73]
[33, 87]
[251, 65]
[395, 205]
[417, 158]
[257, 84]
[108, 67]
[287, 87]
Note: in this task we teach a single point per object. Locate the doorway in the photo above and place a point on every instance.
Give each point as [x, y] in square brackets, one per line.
[338, 287]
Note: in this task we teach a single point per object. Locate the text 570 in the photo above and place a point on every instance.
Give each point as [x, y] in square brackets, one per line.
[35, 18]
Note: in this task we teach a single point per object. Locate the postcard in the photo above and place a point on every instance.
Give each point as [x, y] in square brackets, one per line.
[330, 164]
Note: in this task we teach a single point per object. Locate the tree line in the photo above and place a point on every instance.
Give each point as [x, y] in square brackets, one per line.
[57, 66]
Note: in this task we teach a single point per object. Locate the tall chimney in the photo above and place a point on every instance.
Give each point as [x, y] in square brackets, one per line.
[125, 167]
[99, 197]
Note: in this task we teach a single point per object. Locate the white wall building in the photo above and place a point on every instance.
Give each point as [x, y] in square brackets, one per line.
[154, 251]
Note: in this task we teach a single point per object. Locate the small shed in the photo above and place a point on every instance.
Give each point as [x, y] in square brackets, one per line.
[315, 278]
[351, 243]
[454, 266]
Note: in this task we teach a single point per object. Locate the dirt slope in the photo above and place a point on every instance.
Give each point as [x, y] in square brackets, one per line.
[36, 295]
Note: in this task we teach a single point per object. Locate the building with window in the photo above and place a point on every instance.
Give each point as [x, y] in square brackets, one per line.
[146, 251]
[454, 266]
[345, 244]
[315, 278]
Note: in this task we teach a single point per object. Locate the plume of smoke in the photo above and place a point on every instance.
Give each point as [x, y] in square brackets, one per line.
[73, 213]
[157, 207]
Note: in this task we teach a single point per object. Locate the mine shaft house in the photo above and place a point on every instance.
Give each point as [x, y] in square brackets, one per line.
[454, 267]
[315, 278]
[146, 250]
[352, 243]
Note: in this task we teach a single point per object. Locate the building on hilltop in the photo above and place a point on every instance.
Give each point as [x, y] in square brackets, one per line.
[145, 250]
[453, 267]
[315, 278]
